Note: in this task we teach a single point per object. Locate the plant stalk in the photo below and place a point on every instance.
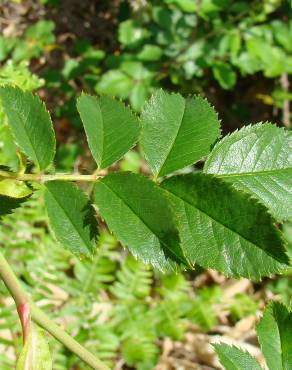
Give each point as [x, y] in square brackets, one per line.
[48, 177]
[21, 299]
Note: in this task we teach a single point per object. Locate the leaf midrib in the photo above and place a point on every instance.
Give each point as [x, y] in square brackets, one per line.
[103, 136]
[143, 221]
[71, 220]
[21, 118]
[174, 140]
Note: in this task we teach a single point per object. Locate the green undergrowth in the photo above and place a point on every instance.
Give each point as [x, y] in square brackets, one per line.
[127, 309]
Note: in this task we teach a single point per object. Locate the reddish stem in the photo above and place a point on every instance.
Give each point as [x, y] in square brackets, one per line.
[24, 314]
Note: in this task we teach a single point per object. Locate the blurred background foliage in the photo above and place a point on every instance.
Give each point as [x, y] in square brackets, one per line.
[236, 53]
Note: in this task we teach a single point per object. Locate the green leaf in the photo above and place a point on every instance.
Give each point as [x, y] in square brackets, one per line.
[35, 354]
[150, 53]
[188, 6]
[233, 358]
[71, 217]
[275, 336]
[138, 213]
[224, 229]
[177, 132]
[115, 83]
[14, 189]
[130, 34]
[111, 128]
[8, 150]
[30, 124]
[224, 74]
[282, 34]
[12, 194]
[138, 96]
[257, 159]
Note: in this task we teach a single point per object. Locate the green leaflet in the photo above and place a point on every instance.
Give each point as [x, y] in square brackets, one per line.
[8, 150]
[257, 159]
[35, 354]
[177, 132]
[224, 229]
[138, 213]
[111, 128]
[14, 189]
[12, 194]
[275, 336]
[233, 358]
[30, 124]
[71, 217]
[224, 74]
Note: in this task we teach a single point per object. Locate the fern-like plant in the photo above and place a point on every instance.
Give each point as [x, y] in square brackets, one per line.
[225, 217]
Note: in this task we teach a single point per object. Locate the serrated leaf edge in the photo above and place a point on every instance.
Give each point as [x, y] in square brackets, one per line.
[276, 230]
[36, 98]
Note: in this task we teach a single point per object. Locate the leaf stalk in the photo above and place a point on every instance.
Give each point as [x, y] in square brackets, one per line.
[49, 177]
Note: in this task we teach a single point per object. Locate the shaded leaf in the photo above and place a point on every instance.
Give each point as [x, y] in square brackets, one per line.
[233, 358]
[275, 336]
[224, 229]
[71, 217]
[176, 131]
[257, 159]
[8, 204]
[111, 128]
[30, 124]
[138, 213]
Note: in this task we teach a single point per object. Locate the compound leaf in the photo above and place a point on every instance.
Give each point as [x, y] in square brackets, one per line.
[233, 358]
[30, 124]
[275, 336]
[224, 229]
[138, 213]
[177, 132]
[257, 159]
[111, 128]
[71, 217]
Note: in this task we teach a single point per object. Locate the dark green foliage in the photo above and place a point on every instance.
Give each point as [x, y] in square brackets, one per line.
[188, 219]
[174, 223]
[238, 226]
[147, 226]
